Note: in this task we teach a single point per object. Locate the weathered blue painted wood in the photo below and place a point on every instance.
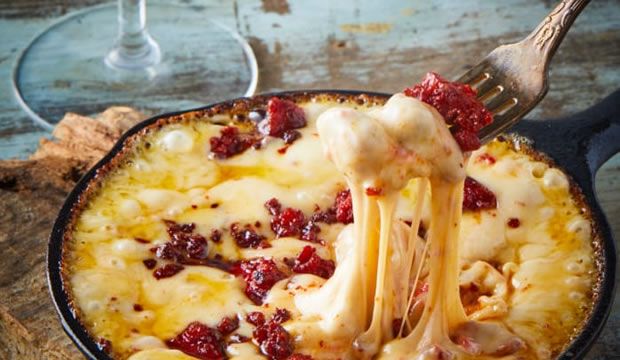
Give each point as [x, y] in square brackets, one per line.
[374, 45]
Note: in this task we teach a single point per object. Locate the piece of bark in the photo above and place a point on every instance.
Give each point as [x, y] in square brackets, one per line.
[31, 193]
[86, 139]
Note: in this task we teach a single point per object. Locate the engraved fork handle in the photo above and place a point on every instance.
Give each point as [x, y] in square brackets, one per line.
[515, 76]
[548, 35]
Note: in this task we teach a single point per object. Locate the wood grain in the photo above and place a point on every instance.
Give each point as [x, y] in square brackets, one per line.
[35, 8]
[363, 44]
[31, 192]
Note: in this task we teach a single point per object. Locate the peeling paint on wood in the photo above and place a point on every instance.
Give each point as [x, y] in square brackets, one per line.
[369, 28]
[276, 6]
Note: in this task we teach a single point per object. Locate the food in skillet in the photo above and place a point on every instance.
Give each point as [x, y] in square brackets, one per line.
[331, 229]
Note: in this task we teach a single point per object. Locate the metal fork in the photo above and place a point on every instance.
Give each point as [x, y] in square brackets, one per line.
[512, 79]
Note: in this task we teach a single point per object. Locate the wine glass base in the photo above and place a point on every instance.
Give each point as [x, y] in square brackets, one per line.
[63, 69]
[116, 60]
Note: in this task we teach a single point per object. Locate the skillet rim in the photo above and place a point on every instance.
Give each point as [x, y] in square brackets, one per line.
[74, 202]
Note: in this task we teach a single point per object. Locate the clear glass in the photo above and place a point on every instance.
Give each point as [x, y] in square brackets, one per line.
[86, 62]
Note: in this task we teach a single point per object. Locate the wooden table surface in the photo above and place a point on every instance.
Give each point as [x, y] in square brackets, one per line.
[358, 44]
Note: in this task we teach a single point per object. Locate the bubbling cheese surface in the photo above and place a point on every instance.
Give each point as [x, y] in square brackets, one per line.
[529, 287]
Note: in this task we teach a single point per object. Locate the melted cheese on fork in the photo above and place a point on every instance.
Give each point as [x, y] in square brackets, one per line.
[379, 153]
[533, 283]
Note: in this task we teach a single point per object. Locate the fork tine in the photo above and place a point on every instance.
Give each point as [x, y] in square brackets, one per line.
[487, 86]
[474, 75]
[503, 99]
[479, 78]
[500, 123]
[505, 106]
[491, 95]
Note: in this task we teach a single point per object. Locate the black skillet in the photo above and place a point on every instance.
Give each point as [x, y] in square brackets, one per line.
[580, 144]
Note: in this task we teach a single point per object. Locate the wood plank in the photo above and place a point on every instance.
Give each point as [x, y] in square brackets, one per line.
[291, 57]
[35, 8]
[31, 192]
[367, 45]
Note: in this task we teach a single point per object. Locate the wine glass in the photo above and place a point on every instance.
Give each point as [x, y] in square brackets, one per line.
[75, 65]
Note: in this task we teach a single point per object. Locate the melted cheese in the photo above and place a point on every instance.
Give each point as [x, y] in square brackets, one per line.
[535, 280]
[384, 150]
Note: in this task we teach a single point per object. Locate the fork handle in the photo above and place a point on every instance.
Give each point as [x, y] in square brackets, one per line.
[548, 35]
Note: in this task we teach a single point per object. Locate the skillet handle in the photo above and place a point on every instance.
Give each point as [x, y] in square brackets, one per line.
[604, 134]
[582, 142]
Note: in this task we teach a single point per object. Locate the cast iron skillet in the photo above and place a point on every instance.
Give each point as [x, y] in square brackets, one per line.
[579, 144]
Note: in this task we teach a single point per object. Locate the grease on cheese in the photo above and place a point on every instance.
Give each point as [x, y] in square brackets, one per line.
[536, 279]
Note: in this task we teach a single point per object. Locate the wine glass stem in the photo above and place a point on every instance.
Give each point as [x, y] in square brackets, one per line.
[134, 48]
